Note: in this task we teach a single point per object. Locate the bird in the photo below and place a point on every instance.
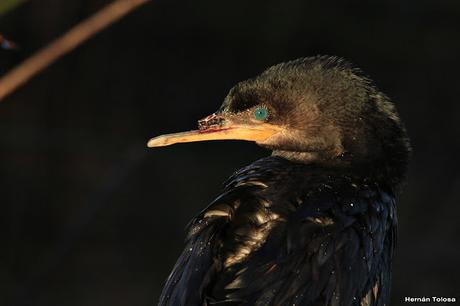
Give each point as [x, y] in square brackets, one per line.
[315, 222]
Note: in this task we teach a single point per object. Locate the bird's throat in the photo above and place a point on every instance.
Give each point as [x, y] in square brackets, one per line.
[298, 157]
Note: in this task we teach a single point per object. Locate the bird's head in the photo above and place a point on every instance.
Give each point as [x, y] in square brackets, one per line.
[316, 109]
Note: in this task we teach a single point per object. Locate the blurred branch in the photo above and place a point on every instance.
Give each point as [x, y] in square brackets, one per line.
[8, 5]
[64, 44]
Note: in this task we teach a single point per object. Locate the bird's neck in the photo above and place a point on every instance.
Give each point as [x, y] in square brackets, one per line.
[389, 172]
[297, 157]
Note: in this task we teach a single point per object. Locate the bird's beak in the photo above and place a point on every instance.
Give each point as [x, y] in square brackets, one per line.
[218, 127]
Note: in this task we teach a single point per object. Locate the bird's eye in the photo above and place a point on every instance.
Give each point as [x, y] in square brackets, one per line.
[261, 113]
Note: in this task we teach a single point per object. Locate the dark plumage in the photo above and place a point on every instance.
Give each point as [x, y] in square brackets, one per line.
[313, 224]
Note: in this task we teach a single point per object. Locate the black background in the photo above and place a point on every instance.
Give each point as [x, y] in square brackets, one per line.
[92, 217]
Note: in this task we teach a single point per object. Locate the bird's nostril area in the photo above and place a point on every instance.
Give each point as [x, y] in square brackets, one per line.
[210, 121]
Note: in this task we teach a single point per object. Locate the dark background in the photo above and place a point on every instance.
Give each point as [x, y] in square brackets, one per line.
[92, 217]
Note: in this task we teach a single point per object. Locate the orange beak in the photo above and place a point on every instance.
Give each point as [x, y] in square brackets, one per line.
[217, 127]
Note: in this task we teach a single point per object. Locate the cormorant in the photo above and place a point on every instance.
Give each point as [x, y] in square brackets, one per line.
[314, 223]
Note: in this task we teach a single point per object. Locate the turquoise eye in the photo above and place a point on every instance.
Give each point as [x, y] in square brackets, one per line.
[261, 113]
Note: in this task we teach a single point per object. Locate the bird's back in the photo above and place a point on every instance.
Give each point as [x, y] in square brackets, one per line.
[283, 233]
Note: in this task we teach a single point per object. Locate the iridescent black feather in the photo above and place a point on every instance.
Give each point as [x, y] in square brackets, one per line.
[330, 244]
